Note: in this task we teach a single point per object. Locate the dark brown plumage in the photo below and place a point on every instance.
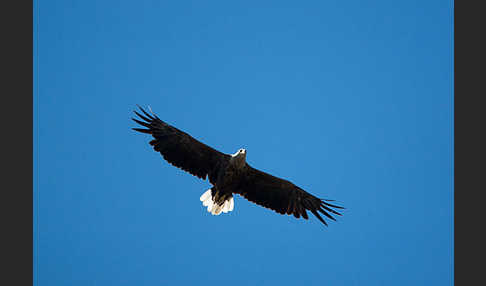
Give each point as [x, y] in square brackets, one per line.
[230, 174]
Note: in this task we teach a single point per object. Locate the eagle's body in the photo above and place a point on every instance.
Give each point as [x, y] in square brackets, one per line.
[230, 174]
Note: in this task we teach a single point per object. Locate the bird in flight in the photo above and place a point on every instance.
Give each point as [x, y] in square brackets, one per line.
[230, 174]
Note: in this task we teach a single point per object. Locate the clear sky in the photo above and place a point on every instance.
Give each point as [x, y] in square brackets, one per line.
[350, 100]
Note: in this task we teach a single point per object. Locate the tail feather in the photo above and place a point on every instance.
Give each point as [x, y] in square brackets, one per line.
[215, 208]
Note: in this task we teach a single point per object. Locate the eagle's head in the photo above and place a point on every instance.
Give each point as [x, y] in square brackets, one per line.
[239, 157]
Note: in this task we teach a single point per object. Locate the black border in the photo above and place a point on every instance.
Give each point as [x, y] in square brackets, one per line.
[17, 136]
[469, 143]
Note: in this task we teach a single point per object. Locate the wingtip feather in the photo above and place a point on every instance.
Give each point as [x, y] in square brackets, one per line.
[319, 217]
[141, 123]
[143, 117]
[146, 114]
[142, 130]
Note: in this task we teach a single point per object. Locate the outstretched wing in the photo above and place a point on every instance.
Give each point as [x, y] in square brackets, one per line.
[179, 148]
[282, 196]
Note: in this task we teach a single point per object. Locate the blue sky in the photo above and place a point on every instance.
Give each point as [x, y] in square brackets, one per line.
[350, 100]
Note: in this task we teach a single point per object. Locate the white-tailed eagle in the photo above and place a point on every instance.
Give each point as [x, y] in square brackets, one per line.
[230, 174]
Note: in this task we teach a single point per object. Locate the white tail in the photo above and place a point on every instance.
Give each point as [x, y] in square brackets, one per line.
[213, 207]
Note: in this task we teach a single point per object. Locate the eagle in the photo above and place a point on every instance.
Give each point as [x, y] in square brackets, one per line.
[230, 174]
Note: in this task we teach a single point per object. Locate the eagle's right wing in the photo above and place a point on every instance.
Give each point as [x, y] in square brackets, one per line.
[180, 149]
[282, 196]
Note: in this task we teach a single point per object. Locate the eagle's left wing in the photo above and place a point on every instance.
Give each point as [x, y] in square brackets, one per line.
[181, 149]
[282, 196]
